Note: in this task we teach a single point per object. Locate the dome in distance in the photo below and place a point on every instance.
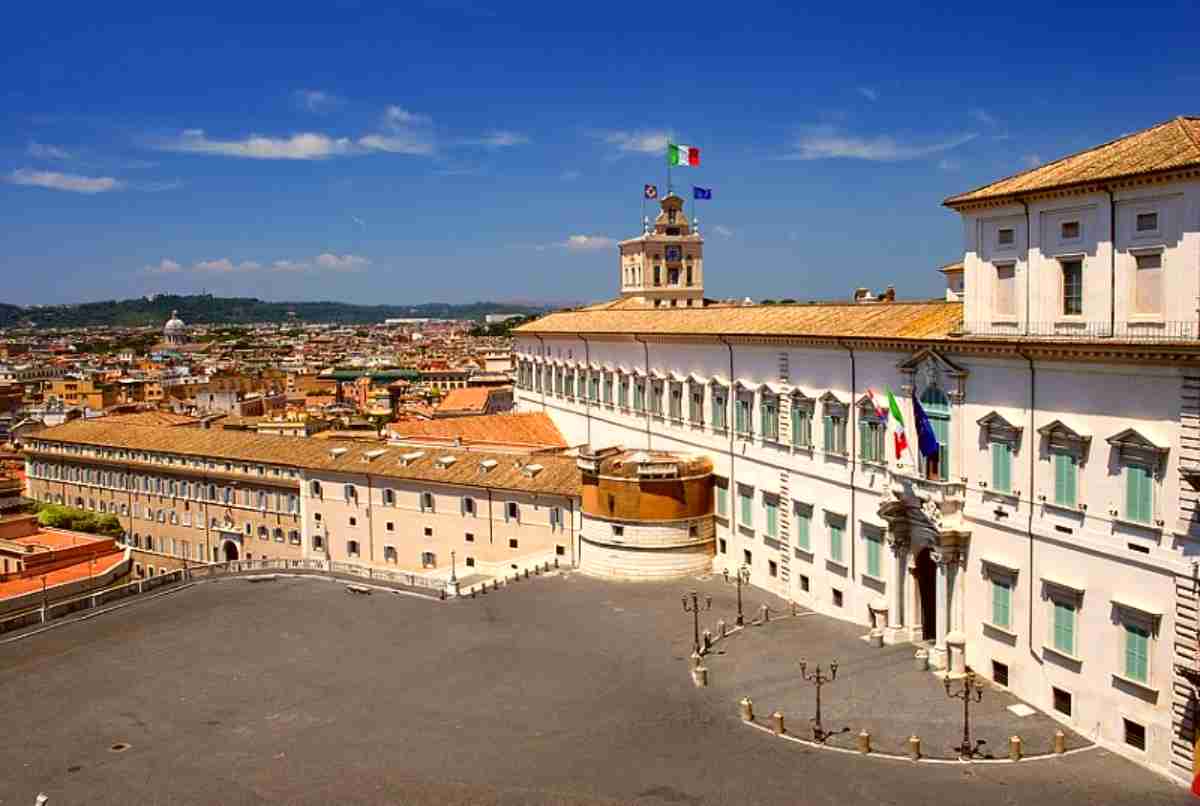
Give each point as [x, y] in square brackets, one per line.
[174, 324]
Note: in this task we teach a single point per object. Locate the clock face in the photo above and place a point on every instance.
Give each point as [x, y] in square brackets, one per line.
[673, 253]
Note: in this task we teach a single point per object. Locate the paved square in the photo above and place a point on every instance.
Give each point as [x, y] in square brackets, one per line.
[555, 690]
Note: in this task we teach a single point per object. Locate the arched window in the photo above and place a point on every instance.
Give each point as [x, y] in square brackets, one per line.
[212, 492]
[937, 406]
[389, 497]
[315, 488]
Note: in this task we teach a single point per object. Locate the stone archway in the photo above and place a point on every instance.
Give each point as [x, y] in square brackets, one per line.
[230, 550]
[925, 574]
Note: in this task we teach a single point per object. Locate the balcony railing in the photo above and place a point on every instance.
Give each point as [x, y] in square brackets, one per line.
[1147, 332]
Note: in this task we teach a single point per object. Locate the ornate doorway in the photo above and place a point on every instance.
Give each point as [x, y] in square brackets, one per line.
[231, 551]
[925, 572]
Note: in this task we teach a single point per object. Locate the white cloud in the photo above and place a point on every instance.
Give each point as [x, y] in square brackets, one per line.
[288, 265]
[582, 243]
[949, 164]
[316, 100]
[45, 151]
[303, 146]
[328, 260]
[396, 116]
[59, 181]
[870, 94]
[497, 139]
[1032, 160]
[723, 231]
[641, 142]
[983, 116]
[164, 266]
[397, 143]
[827, 142]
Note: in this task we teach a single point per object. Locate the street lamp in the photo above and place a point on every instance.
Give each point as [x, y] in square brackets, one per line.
[818, 679]
[453, 575]
[742, 577]
[971, 686]
[693, 607]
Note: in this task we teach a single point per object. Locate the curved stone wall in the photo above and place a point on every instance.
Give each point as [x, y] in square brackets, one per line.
[648, 551]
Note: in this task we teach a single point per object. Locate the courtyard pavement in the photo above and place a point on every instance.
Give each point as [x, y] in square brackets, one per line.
[878, 690]
[555, 690]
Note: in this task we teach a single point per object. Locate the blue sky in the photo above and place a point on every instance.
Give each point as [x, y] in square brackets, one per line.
[447, 150]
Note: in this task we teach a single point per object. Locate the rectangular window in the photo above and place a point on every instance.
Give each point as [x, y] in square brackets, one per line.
[1000, 673]
[1148, 285]
[1001, 603]
[676, 401]
[746, 506]
[1004, 236]
[608, 389]
[772, 568]
[1006, 296]
[835, 434]
[871, 440]
[1002, 467]
[1139, 494]
[1065, 472]
[722, 498]
[770, 418]
[1147, 222]
[1137, 653]
[1135, 734]
[1072, 287]
[1062, 701]
[804, 584]
[1070, 230]
[696, 405]
[802, 516]
[718, 408]
[801, 425]
[741, 420]
[771, 503]
[1064, 626]
[639, 396]
[874, 560]
[656, 398]
[835, 539]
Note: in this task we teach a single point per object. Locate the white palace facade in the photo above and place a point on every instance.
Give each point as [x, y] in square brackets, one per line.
[1049, 547]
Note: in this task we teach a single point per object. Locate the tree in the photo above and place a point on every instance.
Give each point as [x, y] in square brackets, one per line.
[56, 516]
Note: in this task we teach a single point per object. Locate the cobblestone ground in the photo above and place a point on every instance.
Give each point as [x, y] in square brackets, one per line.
[559, 690]
[877, 690]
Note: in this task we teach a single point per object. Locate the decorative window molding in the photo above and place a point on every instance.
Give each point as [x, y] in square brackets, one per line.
[1132, 445]
[997, 429]
[1061, 436]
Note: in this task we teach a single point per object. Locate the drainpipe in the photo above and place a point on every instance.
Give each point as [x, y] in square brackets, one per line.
[370, 523]
[853, 455]
[587, 397]
[1028, 267]
[1112, 263]
[649, 386]
[491, 526]
[1032, 487]
[571, 509]
[731, 493]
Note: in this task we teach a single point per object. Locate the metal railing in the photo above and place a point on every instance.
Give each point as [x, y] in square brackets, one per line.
[320, 566]
[41, 614]
[1163, 332]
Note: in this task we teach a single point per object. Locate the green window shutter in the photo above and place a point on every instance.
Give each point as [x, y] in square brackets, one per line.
[835, 541]
[803, 523]
[873, 557]
[1064, 628]
[747, 513]
[1001, 466]
[1137, 653]
[864, 442]
[772, 519]
[828, 444]
[722, 500]
[1139, 494]
[1064, 479]
[1001, 604]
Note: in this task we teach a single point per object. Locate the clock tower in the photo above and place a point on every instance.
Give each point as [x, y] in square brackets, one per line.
[664, 266]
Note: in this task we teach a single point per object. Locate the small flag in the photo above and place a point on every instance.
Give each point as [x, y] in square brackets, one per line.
[898, 436]
[926, 440]
[879, 412]
[701, 193]
[683, 155]
[651, 192]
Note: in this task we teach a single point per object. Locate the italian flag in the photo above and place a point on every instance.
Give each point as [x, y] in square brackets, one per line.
[898, 434]
[683, 155]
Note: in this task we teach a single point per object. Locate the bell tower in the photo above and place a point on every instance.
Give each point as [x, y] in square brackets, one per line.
[664, 265]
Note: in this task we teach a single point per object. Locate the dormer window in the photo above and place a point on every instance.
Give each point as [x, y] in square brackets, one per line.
[1070, 230]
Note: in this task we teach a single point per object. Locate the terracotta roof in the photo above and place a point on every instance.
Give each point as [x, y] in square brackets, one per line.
[102, 564]
[533, 429]
[557, 474]
[468, 399]
[153, 418]
[1167, 146]
[895, 320]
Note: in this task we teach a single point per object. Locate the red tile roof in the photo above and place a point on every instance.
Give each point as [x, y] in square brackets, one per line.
[473, 398]
[531, 430]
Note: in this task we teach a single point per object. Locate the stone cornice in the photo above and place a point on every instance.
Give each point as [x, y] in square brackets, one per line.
[1077, 189]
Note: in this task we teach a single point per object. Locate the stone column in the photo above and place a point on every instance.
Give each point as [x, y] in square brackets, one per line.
[937, 657]
[897, 621]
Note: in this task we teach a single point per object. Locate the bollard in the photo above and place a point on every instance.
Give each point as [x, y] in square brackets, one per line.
[747, 709]
[914, 747]
[472, 591]
[443, 594]
[864, 742]
[777, 723]
[556, 562]
[795, 609]
[700, 676]
[1014, 748]
[764, 614]
[708, 640]
[875, 638]
[537, 570]
[721, 628]
[1060, 742]
[696, 660]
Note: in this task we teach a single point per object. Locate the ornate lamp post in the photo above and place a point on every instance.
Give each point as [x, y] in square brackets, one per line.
[818, 679]
[742, 577]
[971, 687]
[693, 607]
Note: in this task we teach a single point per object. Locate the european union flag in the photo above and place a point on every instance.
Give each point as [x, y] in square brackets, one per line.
[701, 193]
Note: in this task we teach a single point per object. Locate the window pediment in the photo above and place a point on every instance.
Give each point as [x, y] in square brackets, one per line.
[798, 396]
[1132, 440]
[914, 362]
[1062, 435]
[997, 428]
[866, 407]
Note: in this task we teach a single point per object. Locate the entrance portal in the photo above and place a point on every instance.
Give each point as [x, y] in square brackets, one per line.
[231, 551]
[926, 574]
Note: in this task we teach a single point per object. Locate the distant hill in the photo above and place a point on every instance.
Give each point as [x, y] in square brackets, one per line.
[207, 309]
